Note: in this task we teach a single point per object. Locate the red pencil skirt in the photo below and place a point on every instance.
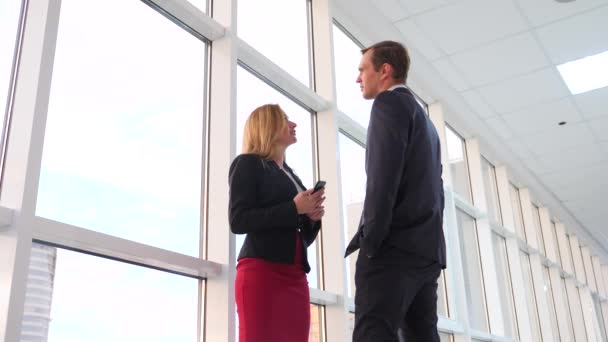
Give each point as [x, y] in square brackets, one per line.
[273, 301]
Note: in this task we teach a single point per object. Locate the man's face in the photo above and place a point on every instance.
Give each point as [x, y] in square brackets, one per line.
[369, 78]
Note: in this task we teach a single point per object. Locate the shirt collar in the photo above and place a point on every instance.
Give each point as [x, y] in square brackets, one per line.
[397, 86]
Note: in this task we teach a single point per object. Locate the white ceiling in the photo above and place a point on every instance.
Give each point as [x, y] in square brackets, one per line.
[500, 56]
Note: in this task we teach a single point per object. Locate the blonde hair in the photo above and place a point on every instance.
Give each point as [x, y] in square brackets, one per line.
[262, 130]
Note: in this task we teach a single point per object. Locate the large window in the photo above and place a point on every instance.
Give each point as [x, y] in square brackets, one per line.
[600, 319]
[530, 296]
[517, 213]
[298, 156]
[547, 287]
[123, 145]
[538, 229]
[77, 297]
[555, 243]
[9, 23]
[491, 190]
[353, 181]
[505, 286]
[473, 275]
[347, 55]
[567, 334]
[457, 158]
[283, 38]
[316, 333]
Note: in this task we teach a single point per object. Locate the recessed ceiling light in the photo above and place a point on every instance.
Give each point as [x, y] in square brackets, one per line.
[586, 74]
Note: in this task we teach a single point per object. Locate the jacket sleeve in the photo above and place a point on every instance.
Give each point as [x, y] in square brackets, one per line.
[387, 140]
[310, 229]
[245, 214]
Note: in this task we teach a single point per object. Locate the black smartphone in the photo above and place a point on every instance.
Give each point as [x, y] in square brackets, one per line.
[320, 185]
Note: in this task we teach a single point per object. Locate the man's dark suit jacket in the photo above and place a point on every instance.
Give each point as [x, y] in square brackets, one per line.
[261, 205]
[404, 195]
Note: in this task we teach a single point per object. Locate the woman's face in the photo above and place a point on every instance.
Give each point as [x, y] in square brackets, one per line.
[288, 134]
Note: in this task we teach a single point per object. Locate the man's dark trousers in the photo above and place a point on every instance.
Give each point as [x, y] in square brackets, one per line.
[395, 291]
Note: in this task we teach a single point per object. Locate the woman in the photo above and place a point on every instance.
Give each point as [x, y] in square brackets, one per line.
[269, 203]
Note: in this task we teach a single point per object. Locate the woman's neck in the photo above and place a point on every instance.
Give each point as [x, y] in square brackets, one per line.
[280, 161]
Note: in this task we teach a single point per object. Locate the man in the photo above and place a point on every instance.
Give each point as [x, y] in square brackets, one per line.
[400, 236]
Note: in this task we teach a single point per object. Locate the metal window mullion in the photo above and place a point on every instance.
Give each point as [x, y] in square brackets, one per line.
[87, 241]
[190, 17]
[328, 120]
[24, 157]
[218, 302]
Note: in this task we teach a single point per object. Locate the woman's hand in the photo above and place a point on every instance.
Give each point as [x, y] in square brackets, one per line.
[309, 203]
[317, 214]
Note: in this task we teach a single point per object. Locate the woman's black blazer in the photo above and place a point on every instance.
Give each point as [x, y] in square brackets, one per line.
[261, 206]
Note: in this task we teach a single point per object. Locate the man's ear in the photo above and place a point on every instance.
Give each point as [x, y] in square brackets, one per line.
[386, 71]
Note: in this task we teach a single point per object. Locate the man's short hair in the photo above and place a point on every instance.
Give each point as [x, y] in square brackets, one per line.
[392, 53]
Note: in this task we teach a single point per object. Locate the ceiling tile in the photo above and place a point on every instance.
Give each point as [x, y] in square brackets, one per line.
[499, 127]
[576, 175]
[573, 157]
[478, 104]
[600, 128]
[446, 69]
[594, 103]
[519, 149]
[523, 91]
[535, 166]
[419, 6]
[576, 192]
[576, 37]
[559, 138]
[543, 117]
[541, 12]
[502, 59]
[466, 24]
[415, 37]
[392, 9]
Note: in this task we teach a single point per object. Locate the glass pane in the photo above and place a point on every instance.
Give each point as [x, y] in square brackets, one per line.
[601, 319]
[505, 286]
[123, 146]
[200, 4]
[491, 190]
[316, 333]
[445, 337]
[458, 164]
[570, 330]
[353, 179]
[555, 243]
[97, 299]
[9, 23]
[351, 325]
[298, 156]
[547, 287]
[282, 38]
[538, 228]
[569, 255]
[473, 276]
[517, 213]
[442, 296]
[530, 296]
[347, 55]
